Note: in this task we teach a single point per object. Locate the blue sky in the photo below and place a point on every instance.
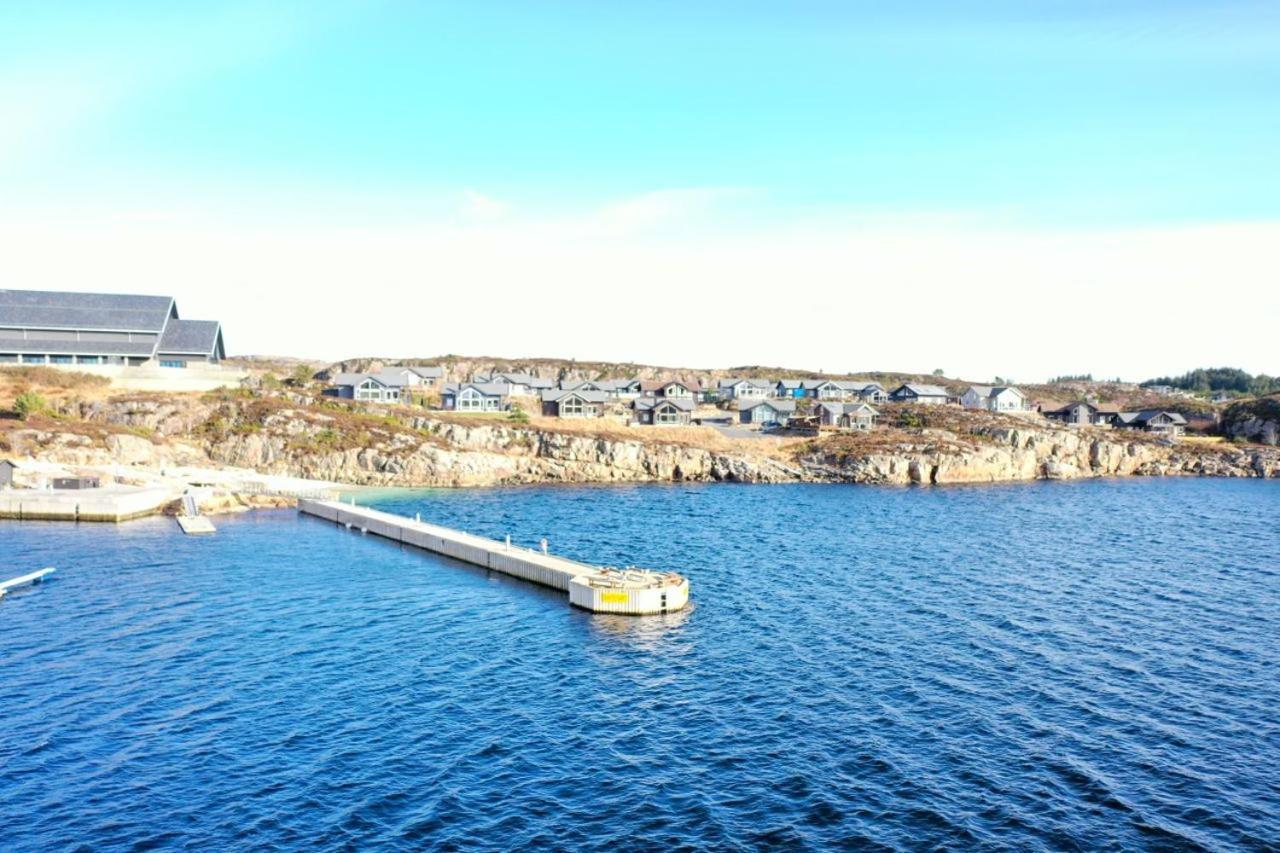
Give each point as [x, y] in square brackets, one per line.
[1041, 118]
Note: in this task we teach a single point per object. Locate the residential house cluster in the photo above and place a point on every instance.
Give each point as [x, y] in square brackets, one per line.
[388, 385]
[1083, 413]
[837, 403]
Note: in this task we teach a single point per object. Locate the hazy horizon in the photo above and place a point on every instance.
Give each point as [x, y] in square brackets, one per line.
[988, 189]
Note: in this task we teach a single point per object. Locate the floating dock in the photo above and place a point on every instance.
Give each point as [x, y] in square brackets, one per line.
[195, 525]
[34, 577]
[632, 592]
[117, 503]
[191, 521]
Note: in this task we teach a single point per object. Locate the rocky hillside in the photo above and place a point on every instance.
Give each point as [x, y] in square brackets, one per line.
[1254, 420]
[293, 435]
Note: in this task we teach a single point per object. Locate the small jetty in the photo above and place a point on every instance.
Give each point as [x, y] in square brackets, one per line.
[634, 592]
[191, 521]
[33, 578]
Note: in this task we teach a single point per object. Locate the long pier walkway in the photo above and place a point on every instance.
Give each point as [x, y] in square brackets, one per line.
[601, 590]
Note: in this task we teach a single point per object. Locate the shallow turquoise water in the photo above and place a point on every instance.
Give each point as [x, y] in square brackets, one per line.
[1085, 665]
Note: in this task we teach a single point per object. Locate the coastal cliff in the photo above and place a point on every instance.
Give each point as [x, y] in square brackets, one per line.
[291, 437]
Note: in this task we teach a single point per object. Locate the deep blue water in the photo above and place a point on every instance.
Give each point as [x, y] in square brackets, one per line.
[1061, 665]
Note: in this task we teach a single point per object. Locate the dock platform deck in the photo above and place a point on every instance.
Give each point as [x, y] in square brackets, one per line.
[598, 589]
[114, 503]
[196, 525]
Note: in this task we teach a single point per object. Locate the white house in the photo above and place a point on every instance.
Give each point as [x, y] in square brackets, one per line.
[745, 389]
[997, 398]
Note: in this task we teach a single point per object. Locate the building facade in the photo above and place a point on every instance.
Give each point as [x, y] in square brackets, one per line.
[63, 329]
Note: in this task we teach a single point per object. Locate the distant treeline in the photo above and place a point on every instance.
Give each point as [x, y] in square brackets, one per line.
[1208, 379]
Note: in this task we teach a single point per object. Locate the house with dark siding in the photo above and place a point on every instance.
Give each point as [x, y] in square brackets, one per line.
[574, 403]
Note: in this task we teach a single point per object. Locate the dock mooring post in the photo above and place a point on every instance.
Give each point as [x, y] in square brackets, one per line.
[544, 544]
[508, 541]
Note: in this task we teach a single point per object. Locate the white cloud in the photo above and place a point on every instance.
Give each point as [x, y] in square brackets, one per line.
[830, 293]
[664, 207]
[478, 207]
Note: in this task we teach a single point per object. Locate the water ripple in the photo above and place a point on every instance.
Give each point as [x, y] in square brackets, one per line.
[1066, 665]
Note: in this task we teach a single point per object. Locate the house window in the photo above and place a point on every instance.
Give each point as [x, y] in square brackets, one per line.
[88, 359]
[472, 400]
[572, 408]
[172, 362]
[8, 358]
[61, 359]
[668, 415]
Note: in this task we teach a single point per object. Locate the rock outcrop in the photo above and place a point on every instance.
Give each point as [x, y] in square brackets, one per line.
[281, 438]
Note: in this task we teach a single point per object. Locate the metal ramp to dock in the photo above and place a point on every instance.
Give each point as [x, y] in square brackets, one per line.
[32, 578]
[601, 590]
[191, 521]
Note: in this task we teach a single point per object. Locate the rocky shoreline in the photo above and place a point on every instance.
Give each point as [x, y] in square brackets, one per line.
[424, 451]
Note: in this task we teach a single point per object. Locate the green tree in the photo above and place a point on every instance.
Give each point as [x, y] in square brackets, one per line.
[302, 375]
[29, 403]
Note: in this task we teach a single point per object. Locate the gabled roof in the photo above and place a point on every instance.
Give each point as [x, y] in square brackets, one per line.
[487, 389]
[847, 408]
[190, 337]
[1094, 407]
[648, 387]
[517, 379]
[644, 403]
[786, 406]
[42, 309]
[921, 390]
[426, 371]
[354, 379]
[754, 383]
[988, 391]
[556, 395]
[1146, 415]
[793, 384]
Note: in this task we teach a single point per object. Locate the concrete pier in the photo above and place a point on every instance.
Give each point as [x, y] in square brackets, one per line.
[600, 590]
[115, 503]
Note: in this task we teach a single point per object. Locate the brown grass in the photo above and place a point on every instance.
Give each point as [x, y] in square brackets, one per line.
[50, 382]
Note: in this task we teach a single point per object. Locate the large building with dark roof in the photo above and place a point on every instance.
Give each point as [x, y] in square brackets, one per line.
[45, 327]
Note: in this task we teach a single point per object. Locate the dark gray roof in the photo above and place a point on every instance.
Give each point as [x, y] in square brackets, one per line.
[755, 383]
[354, 379]
[190, 337]
[555, 395]
[33, 345]
[922, 390]
[488, 389]
[993, 390]
[776, 405]
[517, 379]
[42, 309]
[392, 377]
[1146, 415]
[682, 403]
